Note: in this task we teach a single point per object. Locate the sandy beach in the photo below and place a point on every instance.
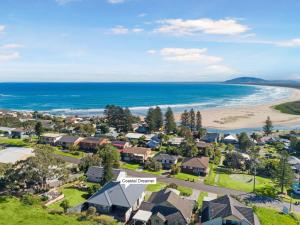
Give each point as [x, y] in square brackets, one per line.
[249, 116]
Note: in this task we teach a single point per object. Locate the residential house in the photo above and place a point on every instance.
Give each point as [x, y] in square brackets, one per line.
[226, 210]
[136, 154]
[211, 138]
[176, 141]
[201, 145]
[6, 131]
[19, 133]
[92, 143]
[49, 138]
[167, 208]
[95, 174]
[121, 144]
[136, 136]
[195, 165]
[117, 200]
[68, 141]
[295, 163]
[230, 139]
[142, 128]
[166, 160]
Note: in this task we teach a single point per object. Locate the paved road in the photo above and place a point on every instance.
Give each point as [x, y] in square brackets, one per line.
[193, 185]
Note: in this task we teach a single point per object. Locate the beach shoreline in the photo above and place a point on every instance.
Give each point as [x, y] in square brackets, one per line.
[241, 117]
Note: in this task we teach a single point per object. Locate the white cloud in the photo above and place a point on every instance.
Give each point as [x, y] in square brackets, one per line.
[63, 2]
[2, 28]
[142, 15]
[290, 43]
[4, 57]
[203, 25]
[119, 30]
[151, 51]
[11, 46]
[187, 55]
[115, 1]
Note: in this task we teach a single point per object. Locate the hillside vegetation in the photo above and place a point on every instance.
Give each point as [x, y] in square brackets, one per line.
[289, 107]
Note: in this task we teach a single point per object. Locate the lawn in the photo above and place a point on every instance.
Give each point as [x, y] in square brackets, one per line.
[13, 212]
[130, 166]
[13, 142]
[269, 216]
[155, 187]
[73, 195]
[154, 172]
[200, 198]
[68, 154]
[186, 191]
[241, 182]
[185, 176]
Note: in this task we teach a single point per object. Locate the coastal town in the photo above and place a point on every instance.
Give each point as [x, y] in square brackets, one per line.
[71, 170]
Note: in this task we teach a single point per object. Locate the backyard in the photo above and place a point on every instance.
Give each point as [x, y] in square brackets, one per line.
[185, 191]
[269, 216]
[31, 214]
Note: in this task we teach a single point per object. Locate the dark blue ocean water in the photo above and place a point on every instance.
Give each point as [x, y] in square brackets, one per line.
[91, 98]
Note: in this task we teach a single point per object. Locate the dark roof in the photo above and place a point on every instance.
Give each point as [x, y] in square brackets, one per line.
[227, 206]
[162, 156]
[137, 150]
[179, 207]
[197, 162]
[202, 144]
[115, 193]
[68, 139]
[98, 170]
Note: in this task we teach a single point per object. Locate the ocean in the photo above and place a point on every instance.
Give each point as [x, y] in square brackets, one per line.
[91, 98]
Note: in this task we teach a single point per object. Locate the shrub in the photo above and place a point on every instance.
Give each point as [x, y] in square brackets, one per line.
[29, 199]
[105, 220]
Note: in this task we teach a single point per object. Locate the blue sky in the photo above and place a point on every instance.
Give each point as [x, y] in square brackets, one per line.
[148, 40]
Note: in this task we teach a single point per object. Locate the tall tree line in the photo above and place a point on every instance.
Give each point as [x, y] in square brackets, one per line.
[192, 120]
[118, 117]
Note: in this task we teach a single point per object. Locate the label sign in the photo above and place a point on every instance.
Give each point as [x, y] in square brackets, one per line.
[138, 180]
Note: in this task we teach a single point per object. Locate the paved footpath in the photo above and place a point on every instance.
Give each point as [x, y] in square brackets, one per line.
[257, 200]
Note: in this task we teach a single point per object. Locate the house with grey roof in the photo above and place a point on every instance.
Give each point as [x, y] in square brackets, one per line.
[95, 174]
[68, 141]
[117, 200]
[168, 208]
[227, 210]
[166, 160]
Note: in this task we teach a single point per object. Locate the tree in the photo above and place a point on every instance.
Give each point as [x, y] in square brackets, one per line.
[185, 119]
[189, 148]
[229, 148]
[38, 128]
[192, 124]
[234, 160]
[88, 161]
[110, 158]
[198, 121]
[153, 165]
[175, 169]
[65, 204]
[154, 119]
[91, 211]
[185, 132]
[170, 125]
[254, 154]
[119, 118]
[283, 174]
[244, 142]
[268, 126]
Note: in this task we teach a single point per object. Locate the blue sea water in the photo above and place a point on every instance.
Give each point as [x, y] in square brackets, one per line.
[91, 98]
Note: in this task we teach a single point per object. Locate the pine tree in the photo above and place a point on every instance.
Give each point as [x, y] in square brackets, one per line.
[198, 121]
[38, 128]
[192, 120]
[268, 126]
[170, 125]
[185, 119]
[283, 173]
[159, 121]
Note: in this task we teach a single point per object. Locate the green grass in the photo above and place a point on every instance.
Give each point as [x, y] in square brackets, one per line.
[13, 212]
[68, 154]
[269, 216]
[289, 107]
[13, 142]
[154, 172]
[74, 196]
[185, 191]
[210, 178]
[156, 187]
[130, 166]
[241, 182]
[200, 199]
[185, 176]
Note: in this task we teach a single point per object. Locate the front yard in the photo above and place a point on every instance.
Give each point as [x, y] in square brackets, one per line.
[268, 216]
[185, 176]
[185, 191]
[77, 154]
[13, 142]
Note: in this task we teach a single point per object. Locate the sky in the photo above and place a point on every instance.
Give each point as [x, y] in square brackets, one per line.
[148, 40]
